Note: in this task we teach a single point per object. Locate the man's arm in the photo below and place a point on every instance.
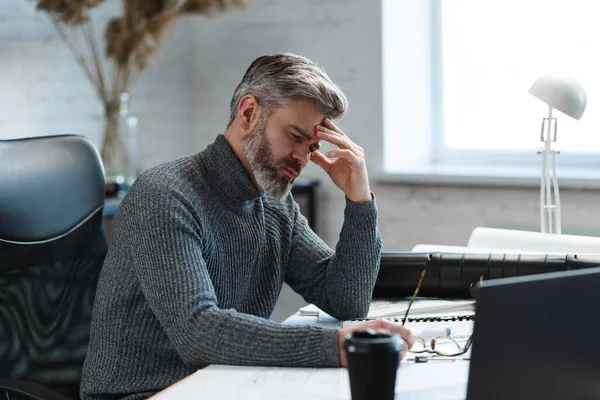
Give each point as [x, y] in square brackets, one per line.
[165, 243]
[340, 283]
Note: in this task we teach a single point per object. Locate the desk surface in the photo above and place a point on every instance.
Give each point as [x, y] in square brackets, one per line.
[435, 380]
[441, 379]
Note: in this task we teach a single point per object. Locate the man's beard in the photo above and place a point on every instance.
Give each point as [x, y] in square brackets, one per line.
[258, 152]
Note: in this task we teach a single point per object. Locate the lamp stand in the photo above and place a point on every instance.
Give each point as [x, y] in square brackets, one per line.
[549, 196]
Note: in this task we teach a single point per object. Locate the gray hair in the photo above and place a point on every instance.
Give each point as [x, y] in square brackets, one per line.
[276, 79]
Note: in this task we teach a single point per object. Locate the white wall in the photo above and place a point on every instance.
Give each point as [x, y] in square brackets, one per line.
[182, 103]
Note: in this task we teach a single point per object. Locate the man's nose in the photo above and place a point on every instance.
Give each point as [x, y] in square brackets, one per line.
[301, 157]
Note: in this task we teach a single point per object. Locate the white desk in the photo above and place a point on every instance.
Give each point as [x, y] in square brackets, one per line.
[442, 379]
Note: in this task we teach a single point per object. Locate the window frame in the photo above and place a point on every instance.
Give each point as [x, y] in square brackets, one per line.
[431, 155]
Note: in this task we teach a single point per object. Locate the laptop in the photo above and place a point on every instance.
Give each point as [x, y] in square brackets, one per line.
[537, 337]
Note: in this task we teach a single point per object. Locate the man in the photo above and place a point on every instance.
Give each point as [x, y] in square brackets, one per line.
[202, 245]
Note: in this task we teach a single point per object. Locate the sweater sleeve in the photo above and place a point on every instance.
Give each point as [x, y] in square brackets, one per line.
[165, 244]
[340, 283]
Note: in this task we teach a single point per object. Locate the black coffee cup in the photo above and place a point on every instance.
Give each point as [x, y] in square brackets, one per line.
[372, 364]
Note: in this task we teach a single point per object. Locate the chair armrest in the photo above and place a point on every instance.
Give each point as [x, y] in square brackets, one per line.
[30, 390]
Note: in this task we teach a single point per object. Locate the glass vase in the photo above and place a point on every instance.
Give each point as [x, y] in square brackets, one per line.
[120, 146]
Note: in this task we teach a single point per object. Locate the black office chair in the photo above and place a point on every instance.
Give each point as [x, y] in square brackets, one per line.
[52, 247]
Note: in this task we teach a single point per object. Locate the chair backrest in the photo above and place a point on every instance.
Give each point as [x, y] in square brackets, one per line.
[52, 247]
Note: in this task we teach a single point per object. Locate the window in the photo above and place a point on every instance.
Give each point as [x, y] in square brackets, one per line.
[457, 75]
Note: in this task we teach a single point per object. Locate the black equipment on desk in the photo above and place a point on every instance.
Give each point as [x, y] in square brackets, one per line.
[453, 275]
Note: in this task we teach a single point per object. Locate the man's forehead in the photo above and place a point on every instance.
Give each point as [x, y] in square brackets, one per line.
[301, 115]
[309, 134]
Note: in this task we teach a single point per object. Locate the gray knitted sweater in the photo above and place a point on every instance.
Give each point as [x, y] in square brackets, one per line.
[196, 263]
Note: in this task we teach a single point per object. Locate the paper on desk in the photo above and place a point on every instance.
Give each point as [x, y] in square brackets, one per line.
[424, 307]
[421, 308]
[309, 310]
[533, 241]
[430, 248]
[492, 240]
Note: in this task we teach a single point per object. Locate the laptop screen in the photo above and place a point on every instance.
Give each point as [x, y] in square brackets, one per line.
[537, 337]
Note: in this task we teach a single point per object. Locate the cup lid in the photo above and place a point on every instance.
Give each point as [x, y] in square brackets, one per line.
[370, 340]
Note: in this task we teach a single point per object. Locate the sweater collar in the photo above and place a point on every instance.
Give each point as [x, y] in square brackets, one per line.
[227, 176]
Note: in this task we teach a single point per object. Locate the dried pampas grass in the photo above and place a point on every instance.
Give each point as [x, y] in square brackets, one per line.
[131, 42]
[68, 12]
[210, 8]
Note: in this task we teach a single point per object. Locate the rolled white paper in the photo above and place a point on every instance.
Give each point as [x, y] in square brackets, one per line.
[430, 248]
[525, 241]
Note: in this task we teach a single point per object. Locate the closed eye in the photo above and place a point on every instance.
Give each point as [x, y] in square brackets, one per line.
[300, 138]
[297, 138]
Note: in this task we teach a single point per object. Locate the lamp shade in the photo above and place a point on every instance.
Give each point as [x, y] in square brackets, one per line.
[564, 94]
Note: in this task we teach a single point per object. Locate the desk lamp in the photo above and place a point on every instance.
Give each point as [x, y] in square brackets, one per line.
[567, 96]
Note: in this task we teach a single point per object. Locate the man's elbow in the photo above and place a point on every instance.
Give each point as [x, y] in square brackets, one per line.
[189, 352]
[192, 353]
[193, 344]
[352, 310]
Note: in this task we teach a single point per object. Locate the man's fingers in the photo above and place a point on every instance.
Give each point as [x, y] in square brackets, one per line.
[322, 161]
[379, 326]
[346, 154]
[329, 124]
[392, 327]
[383, 331]
[335, 138]
[408, 338]
[404, 333]
[402, 354]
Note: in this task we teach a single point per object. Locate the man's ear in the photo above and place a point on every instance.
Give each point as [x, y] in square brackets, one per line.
[248, 112]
